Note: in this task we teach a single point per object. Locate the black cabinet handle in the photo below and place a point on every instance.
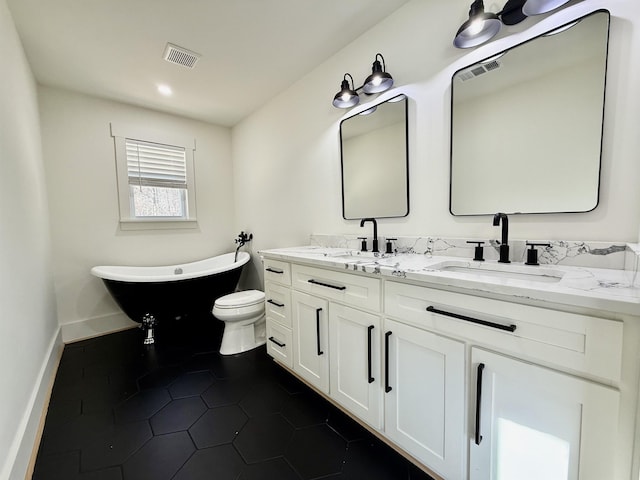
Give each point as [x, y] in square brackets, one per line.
[322, 284]
[318, 310]
[273, 302]
[387, 387]
[478, 401]
[370, 379]
[271, 339]
[508, 328]
[274, 270]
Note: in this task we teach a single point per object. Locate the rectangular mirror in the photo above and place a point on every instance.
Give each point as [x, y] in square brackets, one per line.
[375, 161]
[526, 125]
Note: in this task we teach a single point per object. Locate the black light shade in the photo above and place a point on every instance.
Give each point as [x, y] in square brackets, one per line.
[379, 80]
[538, 7]
[347, 96]
[480, 27]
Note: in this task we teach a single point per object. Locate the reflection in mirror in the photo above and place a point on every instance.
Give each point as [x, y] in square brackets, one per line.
[526, 125]
[375, 170]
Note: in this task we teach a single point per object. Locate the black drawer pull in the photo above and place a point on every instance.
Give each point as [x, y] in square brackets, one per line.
[370, 378]
[322, 284]
[271, 339]
[319, 351]
[387, 387]
[273, 302]
[499, 326]
[478, 438]
[274, 270]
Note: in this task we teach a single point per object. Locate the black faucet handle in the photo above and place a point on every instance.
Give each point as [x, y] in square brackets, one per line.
[389, 245]
[363, 245]
[478, 254]
[532, 253]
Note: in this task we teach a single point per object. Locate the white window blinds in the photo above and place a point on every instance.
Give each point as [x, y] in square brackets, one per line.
[156, 165]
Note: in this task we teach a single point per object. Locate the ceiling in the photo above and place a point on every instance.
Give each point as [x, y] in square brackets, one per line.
[251, 49]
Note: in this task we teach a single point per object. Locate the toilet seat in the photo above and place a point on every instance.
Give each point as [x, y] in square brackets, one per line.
[239, 306]
[246, 298]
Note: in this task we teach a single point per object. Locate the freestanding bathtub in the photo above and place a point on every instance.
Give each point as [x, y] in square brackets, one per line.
[149, 294]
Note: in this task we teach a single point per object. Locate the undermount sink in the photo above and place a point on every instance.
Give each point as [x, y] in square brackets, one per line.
[529, 273]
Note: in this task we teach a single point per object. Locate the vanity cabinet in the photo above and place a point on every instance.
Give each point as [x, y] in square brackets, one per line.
[355, 374]
[311, 339]
[425, 396]
[469, 386]
[534, 423]
[279, 321]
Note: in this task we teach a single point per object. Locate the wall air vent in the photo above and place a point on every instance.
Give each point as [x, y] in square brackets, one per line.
[181, 56]
[478, 70]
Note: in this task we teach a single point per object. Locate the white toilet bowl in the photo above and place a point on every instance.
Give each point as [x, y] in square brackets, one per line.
[244, 321]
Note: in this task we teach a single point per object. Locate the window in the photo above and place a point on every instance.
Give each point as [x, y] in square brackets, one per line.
[155, 180]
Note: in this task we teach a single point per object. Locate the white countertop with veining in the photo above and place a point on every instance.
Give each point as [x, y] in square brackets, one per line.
[608, 290]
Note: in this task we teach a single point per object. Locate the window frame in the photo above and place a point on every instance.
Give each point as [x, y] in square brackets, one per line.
[128, 221]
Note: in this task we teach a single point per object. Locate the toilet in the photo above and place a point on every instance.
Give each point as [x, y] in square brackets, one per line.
[244, 321]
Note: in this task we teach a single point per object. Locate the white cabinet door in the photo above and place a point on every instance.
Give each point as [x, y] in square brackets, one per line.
[311, 339]
[424, 402]
[533, 423]
[355, 379]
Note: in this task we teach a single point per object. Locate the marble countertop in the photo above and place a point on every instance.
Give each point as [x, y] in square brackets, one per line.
[602, 289]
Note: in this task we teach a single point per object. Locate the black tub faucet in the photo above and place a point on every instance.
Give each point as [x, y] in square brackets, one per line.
[504, 242]
[375, 232]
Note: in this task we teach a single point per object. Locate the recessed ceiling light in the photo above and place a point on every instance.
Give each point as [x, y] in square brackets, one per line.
[165, 90]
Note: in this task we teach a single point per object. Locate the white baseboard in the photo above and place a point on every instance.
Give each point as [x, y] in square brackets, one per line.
[21, 455]
[95, 327]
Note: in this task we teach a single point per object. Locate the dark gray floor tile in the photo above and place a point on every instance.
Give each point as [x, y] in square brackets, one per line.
[160, 458]
[277, 469]
[305, 409]
[190, 384]
[114, 446]
[316, 451]
[263, 438]
[142, 405]
[218, 426]
[219, 463]
[264, 398]
[177, 415]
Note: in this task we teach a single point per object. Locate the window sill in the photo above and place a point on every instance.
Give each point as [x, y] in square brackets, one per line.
[157, 224]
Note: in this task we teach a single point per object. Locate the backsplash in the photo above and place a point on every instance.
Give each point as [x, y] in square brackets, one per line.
[618, 256]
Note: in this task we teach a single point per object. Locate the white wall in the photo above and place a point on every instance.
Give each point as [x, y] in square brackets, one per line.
[81, 175]
[287, 158]
[28, 325]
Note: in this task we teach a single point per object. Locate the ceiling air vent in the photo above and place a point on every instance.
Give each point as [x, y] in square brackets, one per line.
[181, 56]
[478, 70]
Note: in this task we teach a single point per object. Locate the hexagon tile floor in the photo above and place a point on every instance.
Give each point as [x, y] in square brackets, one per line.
[180, 410]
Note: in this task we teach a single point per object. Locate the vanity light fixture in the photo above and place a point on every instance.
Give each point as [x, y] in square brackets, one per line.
[483, 26]
[379, 81]
[538, 7]
[347, 96]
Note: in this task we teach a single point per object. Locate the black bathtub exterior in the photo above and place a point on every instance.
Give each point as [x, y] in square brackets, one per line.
[170, 300]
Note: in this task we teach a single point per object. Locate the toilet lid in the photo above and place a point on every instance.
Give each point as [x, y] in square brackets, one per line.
[240, 299]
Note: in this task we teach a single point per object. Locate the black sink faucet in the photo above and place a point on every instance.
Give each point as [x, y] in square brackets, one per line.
[375, 232]
[504, 242]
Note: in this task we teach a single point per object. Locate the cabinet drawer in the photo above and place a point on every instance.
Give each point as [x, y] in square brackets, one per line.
[356, 290]
[278, 303]
[577, 342]
[279, 343]
[277, 271]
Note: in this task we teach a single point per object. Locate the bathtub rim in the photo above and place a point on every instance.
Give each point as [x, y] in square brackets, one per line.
[165, 273]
